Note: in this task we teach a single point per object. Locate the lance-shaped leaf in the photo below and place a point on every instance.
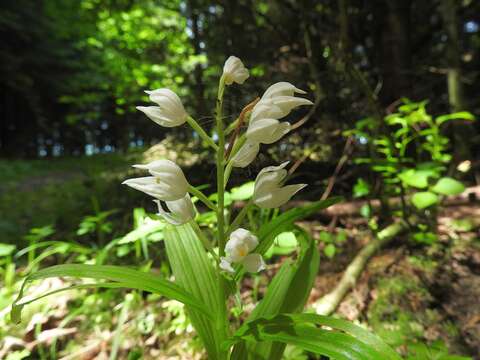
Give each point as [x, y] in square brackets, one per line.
[194, 272]
[342, 341]
[126, 277]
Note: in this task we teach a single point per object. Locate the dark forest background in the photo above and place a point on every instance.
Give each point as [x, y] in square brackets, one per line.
[73, 71]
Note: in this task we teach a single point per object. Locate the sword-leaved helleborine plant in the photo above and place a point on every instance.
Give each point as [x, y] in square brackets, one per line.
[208, 268]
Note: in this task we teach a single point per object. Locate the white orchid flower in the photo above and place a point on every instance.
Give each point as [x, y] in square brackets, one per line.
[246, 154]
[268, 191]
[169, 112]
[277, 102]
[267, 131]
[234, 71]
[168, 182]
[238, 247]
[180, 211]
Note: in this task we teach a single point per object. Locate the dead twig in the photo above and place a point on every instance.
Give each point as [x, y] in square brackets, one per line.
[241, 120]
[346, 154]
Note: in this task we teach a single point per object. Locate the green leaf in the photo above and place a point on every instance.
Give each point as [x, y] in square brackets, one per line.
[361, 188]
[462, 115]
[424, 199]
[127, 277]
[243, 192]
[326, 237]
[284, 244]
[6, 249]
[344, 342]
[427, 238]
[416, 178]
[142, 231]
[194, 272]
[269, 231]
[329, 251]
[448, 186]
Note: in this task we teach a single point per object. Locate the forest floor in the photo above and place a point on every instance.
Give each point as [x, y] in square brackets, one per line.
[408, 292]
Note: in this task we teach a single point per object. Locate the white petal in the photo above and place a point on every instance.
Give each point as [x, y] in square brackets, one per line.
[181, 211]
[282, 88]
[268, 179]
[265, 109]
[246, 154]
[160, 117]
[149, 185]
[267, 131]
[226, 265]
[239, 238]
[277, 197]
[253, 263]
[288, 103]
[169, 175]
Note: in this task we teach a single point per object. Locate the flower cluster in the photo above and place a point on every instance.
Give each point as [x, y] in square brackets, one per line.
[170, 188]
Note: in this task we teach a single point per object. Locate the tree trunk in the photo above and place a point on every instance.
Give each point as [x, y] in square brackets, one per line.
[460, 131]
[395, 57]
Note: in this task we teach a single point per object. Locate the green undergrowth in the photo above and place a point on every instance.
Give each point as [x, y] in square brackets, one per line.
[58, 192]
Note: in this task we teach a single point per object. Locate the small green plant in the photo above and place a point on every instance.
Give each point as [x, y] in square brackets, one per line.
[331, 242]
[436, 351]
[209, 270]
[412, 156]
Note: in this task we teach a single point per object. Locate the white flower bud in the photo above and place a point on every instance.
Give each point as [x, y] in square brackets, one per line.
[234, 71]
[267, 131]
[268, 192]
[169, 112]
[239, 245]
[246, 154]
[282, 88]
[181, 211]
[168, 182]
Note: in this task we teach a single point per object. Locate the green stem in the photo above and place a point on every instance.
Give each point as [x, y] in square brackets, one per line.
[241, 215]
[196, 126]
[222, 324]
[220, 167]
[202, 197]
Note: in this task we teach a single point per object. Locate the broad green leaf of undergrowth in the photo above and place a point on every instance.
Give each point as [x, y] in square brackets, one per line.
[448, 186]
[424, 199]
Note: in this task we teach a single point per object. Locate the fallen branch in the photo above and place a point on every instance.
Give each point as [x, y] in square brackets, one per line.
[328, 303]
[471, 196]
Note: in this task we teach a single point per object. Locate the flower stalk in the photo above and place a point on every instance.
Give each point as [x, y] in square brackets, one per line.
[196, 126]
[222, 318]
[202, 197]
